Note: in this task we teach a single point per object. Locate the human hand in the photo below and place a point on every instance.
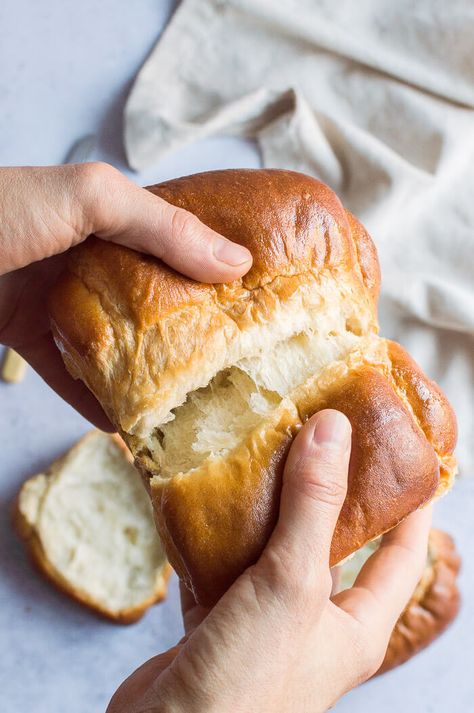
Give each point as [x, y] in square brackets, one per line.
[46, 211]
[276, 642]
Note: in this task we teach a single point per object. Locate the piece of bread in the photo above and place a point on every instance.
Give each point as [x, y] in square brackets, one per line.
[208, 384]
[433, 606]
[88, 525]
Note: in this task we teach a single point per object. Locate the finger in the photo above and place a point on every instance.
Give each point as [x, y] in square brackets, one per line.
[314, 488]
[132, 216]
[129, 696]
[389, 577]
[45, 358]
[336, 579]
[193, 613]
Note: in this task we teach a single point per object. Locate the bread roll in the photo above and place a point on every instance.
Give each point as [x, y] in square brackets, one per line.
[208, 384]
[88, 525]
[433, 606]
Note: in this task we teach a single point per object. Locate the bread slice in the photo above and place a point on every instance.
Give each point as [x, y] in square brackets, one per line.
[88, 525]
[433, 606]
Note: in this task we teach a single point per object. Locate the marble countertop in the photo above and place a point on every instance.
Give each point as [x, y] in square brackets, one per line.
[65, 70]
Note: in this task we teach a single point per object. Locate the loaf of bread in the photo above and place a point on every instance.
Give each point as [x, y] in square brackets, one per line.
[88, 525]
[433, 606]
[208, 384]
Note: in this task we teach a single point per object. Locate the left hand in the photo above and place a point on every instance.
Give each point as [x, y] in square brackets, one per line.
[46, 211]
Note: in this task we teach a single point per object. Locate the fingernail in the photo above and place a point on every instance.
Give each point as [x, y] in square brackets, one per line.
[230, 253]
[332, 428]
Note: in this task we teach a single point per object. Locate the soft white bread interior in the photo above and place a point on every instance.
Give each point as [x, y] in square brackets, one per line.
[209, 384]
[216, 418]
[88, 524]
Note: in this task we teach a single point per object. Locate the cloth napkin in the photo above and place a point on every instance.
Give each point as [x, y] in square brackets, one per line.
[373, 97]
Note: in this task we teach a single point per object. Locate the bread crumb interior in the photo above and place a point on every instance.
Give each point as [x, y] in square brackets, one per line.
[95, 523]
[215, 419]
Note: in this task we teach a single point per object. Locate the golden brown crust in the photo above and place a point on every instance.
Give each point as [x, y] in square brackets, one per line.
[366, 255]
[290, 222]
[430, 406]
[129, 326]
[215, 522]
[386, 483]
[434, 605]
[142, 337]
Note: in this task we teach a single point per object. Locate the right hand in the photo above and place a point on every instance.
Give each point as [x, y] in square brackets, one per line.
[276, 642]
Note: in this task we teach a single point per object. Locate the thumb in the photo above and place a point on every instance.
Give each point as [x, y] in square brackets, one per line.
[131, 693]
[132, 216]
[314, 489]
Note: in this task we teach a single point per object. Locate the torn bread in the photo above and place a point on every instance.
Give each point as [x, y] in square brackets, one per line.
[88, 525]
[208, 384]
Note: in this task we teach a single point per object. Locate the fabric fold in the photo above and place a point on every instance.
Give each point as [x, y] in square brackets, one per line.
[376, 99]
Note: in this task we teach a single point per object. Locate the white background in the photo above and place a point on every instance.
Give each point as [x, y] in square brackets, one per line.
[65, 70]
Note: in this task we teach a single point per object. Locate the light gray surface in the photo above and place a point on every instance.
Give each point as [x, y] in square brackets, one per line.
[65, 68]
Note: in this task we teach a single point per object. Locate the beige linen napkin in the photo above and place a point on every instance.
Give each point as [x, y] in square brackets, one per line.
[375, 98]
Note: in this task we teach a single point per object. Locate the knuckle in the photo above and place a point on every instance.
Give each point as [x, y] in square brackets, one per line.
[329, 456]
[313, 586]
[96, 182]
[91, 179]
[95, 173]
[373, 662]
[274, 568]
[184, 228]
[369, 656]
[420, 562]
[301, 587]
[322, 483]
